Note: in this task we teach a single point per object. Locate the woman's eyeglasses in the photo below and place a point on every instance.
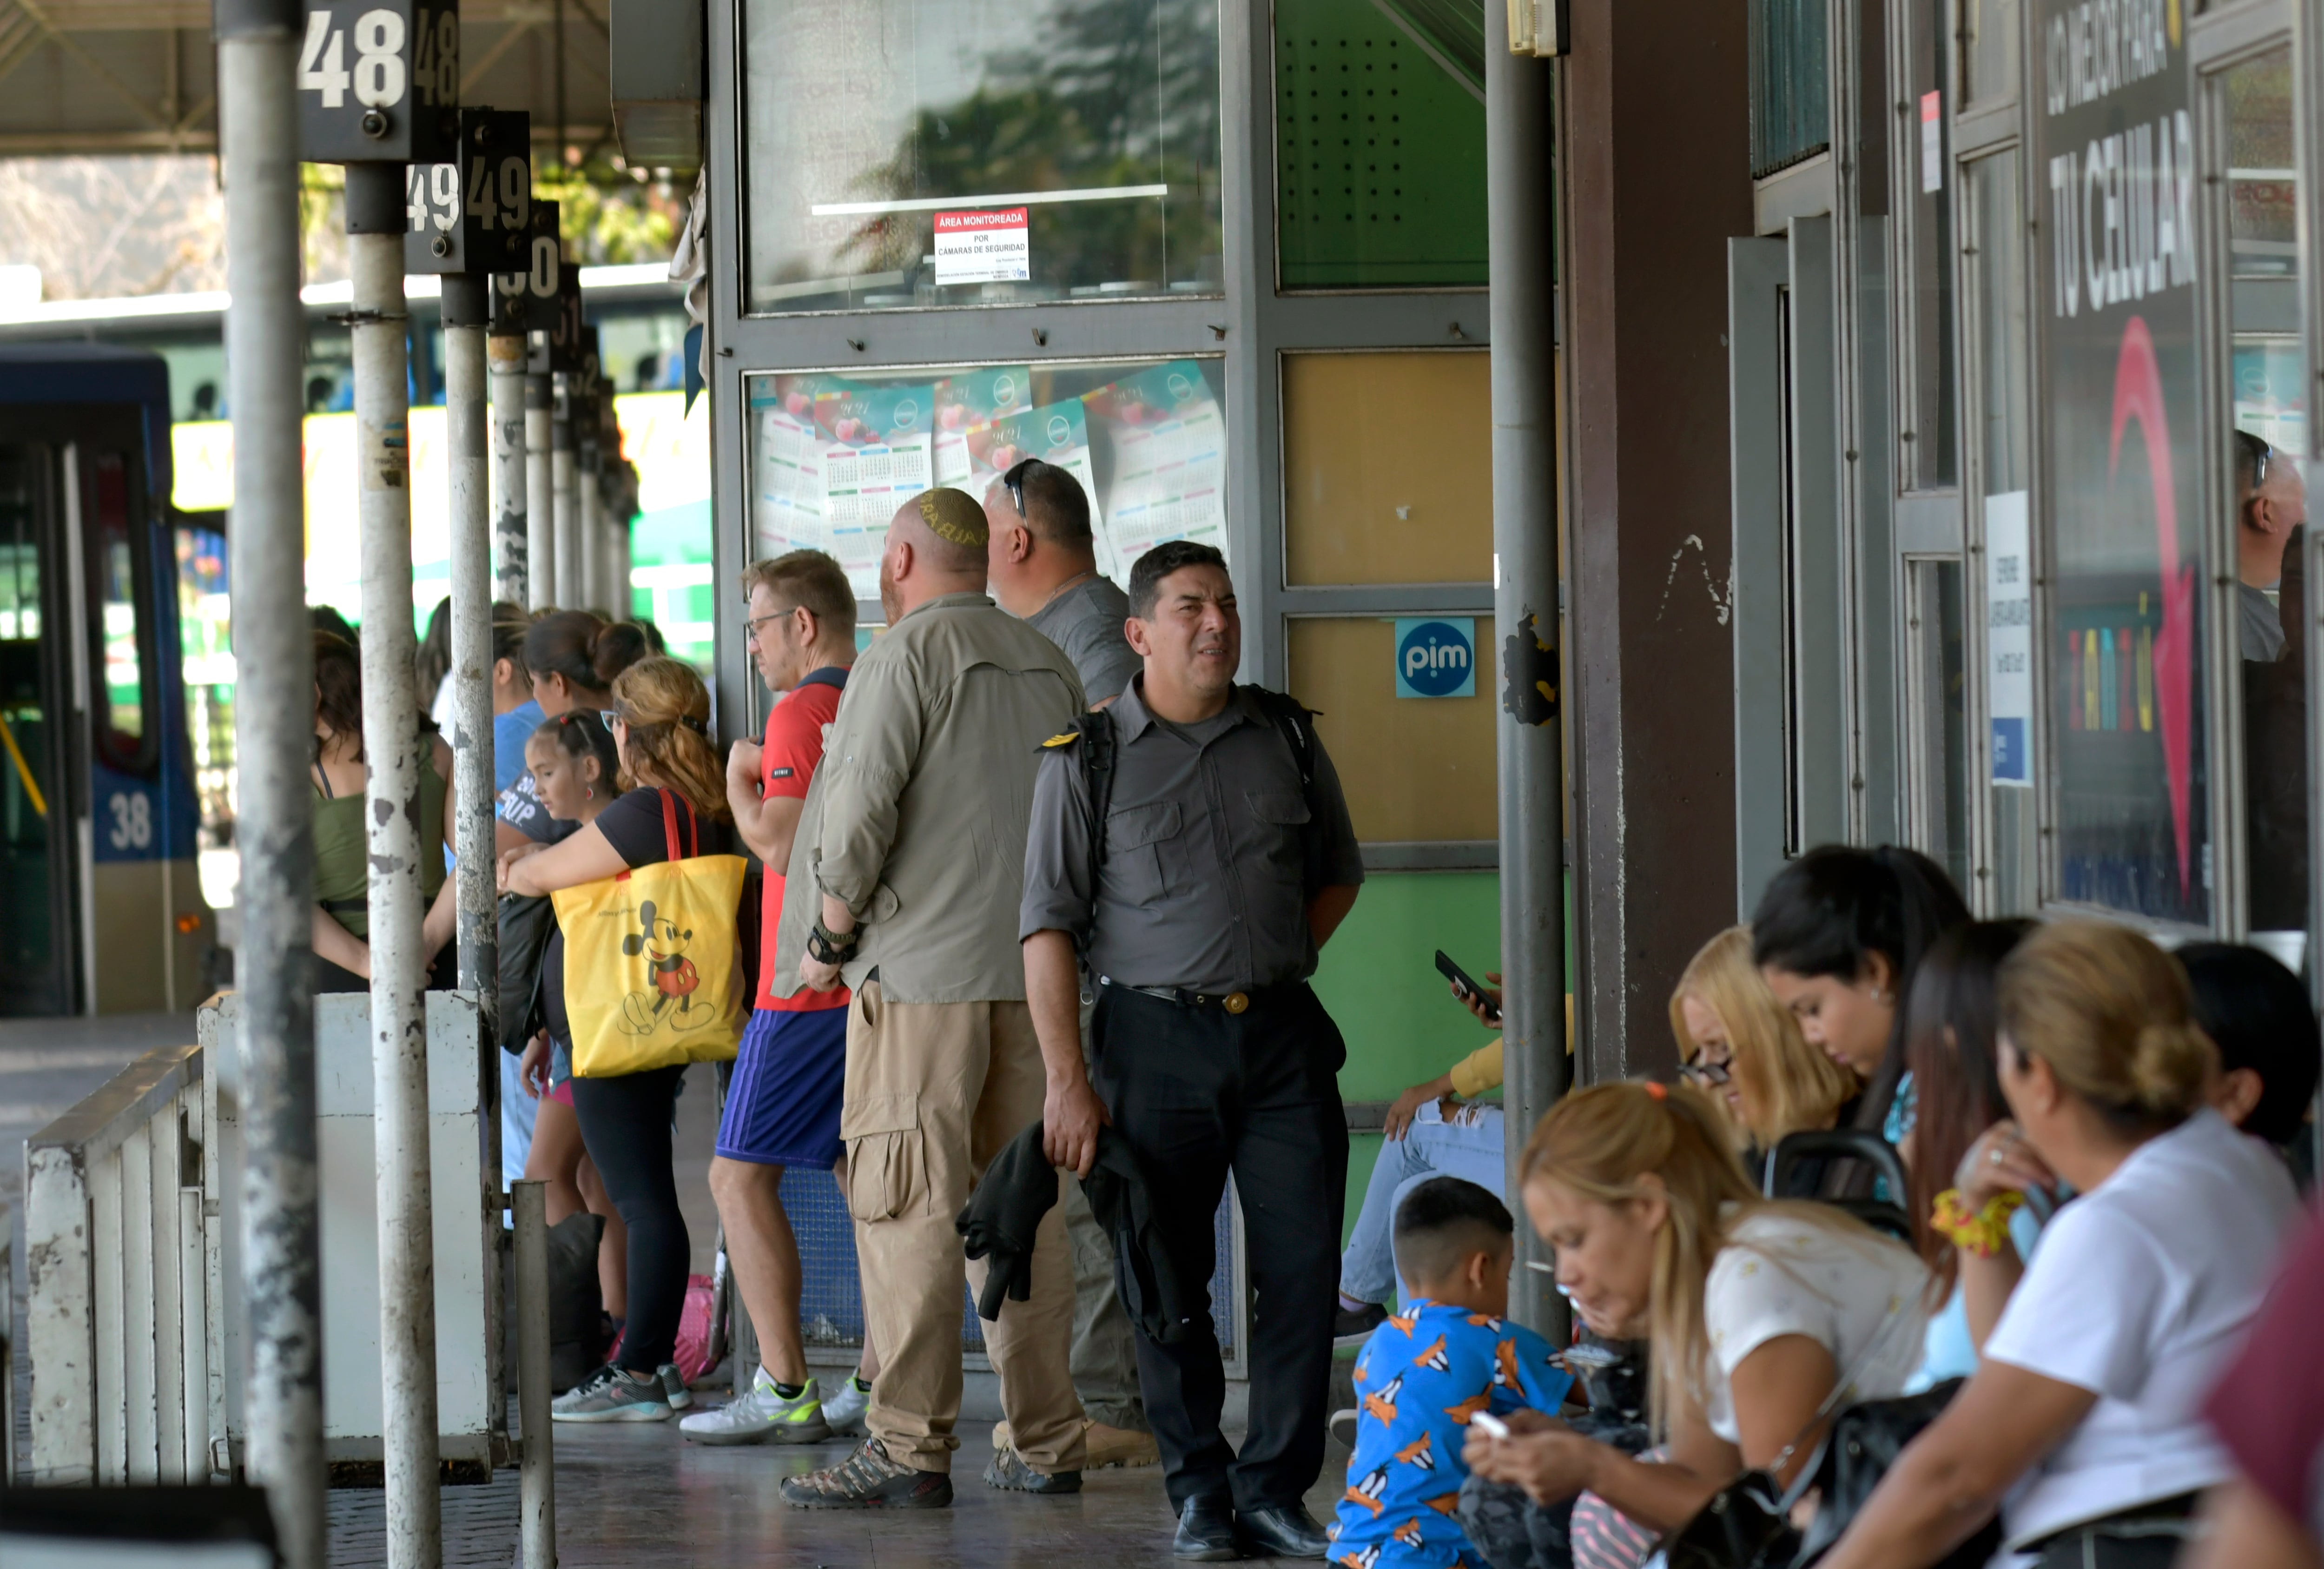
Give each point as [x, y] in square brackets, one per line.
[610, 718]
[1704, 1075]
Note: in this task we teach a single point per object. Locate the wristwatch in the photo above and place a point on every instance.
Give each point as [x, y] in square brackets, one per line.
[827, 947]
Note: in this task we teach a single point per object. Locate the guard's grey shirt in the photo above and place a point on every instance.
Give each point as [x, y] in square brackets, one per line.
[1210, 864]
[1085, 620]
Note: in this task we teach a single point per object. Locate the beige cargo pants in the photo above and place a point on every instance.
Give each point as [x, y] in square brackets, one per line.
[934, 1092]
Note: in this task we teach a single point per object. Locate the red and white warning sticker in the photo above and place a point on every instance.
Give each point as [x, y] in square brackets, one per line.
[992, 246]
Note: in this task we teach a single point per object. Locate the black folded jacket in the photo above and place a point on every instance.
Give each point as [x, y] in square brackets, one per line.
[1020, 1187]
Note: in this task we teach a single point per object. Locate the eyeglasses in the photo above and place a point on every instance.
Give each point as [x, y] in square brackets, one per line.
[611, 716]
[756, 622]
[1704, 1075]
[1015, 480]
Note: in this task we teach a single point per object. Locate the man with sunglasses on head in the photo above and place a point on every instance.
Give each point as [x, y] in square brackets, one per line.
[2271, 509]
[2271, 505]
[1044, 571]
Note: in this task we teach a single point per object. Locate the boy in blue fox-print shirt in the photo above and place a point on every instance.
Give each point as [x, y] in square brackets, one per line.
[1446, 1355]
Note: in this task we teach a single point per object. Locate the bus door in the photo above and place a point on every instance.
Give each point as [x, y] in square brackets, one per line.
[39, 836]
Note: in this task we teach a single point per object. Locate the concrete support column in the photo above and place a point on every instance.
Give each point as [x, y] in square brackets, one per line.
[1654, 125]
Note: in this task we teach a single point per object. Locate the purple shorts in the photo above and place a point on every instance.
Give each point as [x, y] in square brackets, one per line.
[782, 1102]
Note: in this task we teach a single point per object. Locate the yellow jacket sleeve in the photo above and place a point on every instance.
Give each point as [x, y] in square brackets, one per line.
[1477, 1072]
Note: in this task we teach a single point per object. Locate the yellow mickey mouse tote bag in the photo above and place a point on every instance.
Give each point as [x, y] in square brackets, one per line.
[653, 971]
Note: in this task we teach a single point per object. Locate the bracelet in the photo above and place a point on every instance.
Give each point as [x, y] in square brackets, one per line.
[827, 947]
[1983, 1233]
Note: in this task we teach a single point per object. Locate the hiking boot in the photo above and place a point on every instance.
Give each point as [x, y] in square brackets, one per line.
[869, 1480]
[611, 1395]
[1103, 1448]
[761, 1417]
[845, 1408]
[1010, 1472]
[673, 1385]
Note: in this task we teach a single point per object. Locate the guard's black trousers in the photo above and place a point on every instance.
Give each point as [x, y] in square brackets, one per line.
[1198, 1091]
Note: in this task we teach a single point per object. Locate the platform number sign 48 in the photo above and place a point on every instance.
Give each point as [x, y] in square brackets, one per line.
[473, 214]
[377, 82]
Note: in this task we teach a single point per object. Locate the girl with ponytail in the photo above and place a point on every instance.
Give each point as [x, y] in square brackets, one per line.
[1755, 1309]
[2085, 1409]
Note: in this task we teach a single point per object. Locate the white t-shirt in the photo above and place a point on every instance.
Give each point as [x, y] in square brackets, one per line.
[2139, 1293]
[1862, 1297]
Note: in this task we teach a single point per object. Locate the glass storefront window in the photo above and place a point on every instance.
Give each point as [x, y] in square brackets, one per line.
[1940, 754]
[1997, 286]
[1929, 456]
[1388, 467]
[833, 456]
[1379, 145]
[1440, 731]
[1989, 49]
[2122, 505]
[980, 152]
[2269, 406]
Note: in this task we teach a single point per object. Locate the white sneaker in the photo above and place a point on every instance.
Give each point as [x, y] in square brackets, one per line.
[761, 1416]
[844, 1410]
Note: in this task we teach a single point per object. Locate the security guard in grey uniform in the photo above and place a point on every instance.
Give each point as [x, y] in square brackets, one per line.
[1226, 860]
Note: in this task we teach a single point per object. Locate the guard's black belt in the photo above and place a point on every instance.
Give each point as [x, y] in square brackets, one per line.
[1232, 1001]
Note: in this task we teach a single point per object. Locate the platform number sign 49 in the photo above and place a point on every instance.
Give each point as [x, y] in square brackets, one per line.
[473, 214]
[379, 82]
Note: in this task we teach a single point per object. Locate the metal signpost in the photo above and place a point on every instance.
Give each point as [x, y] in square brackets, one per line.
[558, 352]
[379, 89]
[524, 302]
[1526, 616]
[471, 218]
[281, 1236]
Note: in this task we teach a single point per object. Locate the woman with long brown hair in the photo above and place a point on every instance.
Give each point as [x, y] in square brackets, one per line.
[342, 923]
[660, 714]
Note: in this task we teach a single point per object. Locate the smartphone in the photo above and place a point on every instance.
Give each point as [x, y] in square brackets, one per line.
[1464, 984]
[1493, 1425]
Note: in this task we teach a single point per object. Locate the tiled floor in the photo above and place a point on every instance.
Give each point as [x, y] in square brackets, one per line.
[639, 1496]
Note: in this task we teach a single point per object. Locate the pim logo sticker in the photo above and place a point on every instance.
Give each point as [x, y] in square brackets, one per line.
[1437, 656]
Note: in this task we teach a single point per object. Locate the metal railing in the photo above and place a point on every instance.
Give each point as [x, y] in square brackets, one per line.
[121, 1322]
[137, 1322]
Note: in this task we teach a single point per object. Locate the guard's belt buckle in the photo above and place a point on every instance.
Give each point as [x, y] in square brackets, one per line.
[1236, 1001]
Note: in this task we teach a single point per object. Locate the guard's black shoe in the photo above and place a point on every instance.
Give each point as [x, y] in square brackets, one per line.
[1354, 1325]
[1206, 1532]
[1282, 1531]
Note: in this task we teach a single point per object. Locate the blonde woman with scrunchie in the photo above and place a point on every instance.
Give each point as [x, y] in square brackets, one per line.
[2085, 1412]
[1754, 1310]
[660, 717]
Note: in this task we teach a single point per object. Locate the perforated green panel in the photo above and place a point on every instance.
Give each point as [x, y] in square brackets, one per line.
[1379, 154]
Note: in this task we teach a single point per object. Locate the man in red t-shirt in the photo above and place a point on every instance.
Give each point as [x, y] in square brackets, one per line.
[782, 1102]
